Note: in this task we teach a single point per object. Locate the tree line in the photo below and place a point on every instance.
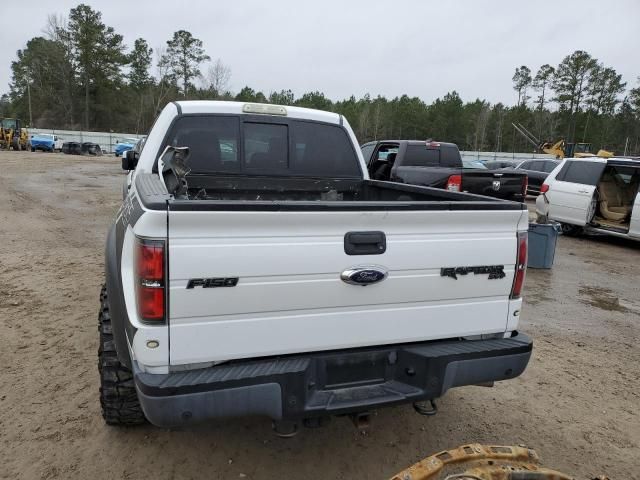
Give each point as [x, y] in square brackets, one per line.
[80, 75]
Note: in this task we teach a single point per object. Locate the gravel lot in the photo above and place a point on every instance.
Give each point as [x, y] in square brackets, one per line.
[577, 403]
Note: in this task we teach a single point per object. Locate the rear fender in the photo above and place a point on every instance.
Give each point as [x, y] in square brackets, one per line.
[119, 318]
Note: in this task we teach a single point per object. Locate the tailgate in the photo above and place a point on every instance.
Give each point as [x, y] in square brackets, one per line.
[493, 184]
[257, 283]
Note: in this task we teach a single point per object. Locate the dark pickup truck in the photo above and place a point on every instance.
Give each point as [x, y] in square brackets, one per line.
[439, 165]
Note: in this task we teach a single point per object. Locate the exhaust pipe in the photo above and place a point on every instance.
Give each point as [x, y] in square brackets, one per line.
[361, 420]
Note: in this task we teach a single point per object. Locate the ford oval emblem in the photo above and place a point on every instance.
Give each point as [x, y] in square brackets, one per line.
[364, 275]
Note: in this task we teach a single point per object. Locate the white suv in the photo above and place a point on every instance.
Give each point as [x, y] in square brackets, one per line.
[594, 194]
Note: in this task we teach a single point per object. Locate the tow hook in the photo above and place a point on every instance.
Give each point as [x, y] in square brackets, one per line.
[423, 407]
[285, 429]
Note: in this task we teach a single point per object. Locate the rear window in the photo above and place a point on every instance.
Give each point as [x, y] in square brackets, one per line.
[425, 156]
[581, 171]
[421, 156]
[227, 144]
[450, 157]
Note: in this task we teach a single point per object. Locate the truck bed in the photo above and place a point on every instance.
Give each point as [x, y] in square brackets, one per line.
[208, 192]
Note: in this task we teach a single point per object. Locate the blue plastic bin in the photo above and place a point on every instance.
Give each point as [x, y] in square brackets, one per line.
[542, 245]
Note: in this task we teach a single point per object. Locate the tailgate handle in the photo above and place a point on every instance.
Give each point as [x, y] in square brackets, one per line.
[365, 243]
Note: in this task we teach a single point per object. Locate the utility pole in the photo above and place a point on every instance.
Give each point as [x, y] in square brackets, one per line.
[29, 97]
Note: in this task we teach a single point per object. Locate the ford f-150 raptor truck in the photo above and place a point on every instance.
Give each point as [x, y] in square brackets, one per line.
[439, 164]
[255, 269]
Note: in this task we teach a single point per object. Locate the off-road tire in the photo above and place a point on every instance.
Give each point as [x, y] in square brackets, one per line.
[118, 398]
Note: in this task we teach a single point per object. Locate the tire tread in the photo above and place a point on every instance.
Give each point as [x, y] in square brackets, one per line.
[118, 397]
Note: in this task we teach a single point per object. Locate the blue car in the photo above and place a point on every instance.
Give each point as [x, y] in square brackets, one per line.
[124, 145]
[46, 142]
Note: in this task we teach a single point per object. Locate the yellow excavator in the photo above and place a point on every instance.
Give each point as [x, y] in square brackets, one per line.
[13, 134]
[561, 149]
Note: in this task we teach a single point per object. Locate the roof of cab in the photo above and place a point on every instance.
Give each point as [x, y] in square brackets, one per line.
[221, 107]
[621, 161]
[413, 142]
[632, 161]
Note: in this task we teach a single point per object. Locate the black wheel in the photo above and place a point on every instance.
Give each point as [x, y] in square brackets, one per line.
[570, 230]
[118, 398]
[33, 149]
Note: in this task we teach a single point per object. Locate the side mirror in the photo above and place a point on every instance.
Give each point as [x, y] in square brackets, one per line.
[129, 160]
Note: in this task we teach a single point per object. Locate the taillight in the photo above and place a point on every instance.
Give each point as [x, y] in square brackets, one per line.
[544, 188]
[150, 281]
[521, 264]
[525, 185]
[454, 183]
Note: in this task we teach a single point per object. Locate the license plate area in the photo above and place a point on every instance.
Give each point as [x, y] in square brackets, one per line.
[348, 371]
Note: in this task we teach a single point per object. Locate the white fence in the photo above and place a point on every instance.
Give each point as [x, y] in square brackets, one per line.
[106, 140]
[503, 155]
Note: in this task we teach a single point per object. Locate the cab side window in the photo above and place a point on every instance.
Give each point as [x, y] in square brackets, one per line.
[536, 166]
[367, 150]
[525, 166]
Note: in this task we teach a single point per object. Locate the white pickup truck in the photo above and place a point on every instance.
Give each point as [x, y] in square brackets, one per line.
[260, 271]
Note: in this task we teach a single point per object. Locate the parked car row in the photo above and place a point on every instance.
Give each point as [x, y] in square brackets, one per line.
[53, 143]
[586, 194]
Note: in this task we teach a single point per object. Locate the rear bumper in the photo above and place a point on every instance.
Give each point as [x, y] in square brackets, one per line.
[328, 383]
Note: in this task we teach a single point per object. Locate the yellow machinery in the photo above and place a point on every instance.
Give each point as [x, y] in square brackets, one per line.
[561, 149]
[13, 134]
[483, 462]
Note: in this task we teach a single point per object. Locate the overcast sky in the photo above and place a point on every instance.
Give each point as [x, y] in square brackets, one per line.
[421, 48]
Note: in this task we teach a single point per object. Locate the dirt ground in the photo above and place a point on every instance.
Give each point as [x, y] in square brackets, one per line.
[577, 403]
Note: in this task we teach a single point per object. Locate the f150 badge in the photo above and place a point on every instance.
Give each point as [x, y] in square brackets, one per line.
[364, 275]
[212, 282]
[494, 271]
